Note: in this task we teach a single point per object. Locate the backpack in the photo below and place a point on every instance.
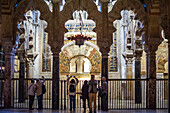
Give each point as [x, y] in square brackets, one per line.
[43, 89]
[72, 88]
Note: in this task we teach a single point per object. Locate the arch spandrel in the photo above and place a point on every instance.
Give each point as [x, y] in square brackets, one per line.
[134, 5]
[26, 5]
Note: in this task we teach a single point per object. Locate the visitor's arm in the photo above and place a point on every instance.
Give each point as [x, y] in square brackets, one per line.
[43, 79]
[77, 81]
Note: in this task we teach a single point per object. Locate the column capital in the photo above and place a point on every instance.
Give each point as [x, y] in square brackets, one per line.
[138, 57]
[56, 49]
[129, 61]
[138, 54]
[152, 48]
[104, 47]
[30, 61]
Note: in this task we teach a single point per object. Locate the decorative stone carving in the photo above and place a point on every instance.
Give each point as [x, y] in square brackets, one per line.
[40, 5]
[136, 5]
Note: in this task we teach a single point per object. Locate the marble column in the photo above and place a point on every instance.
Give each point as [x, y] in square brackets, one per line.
[55, 84]
[9, 74]
[151, 104]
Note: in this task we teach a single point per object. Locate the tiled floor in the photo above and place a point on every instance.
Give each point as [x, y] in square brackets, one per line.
[79, 111]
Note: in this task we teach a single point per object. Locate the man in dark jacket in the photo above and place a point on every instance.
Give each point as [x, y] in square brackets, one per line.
[92, 92]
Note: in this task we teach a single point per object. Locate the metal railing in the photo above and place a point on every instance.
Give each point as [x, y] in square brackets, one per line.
[122, 94]
[47, 97]
[127, 94]
[161, 93]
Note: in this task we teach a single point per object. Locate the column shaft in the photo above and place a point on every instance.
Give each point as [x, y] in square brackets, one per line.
[55, 91]
[138, 94]
[8, 83]
[152, 80]
[105, 67]
[105, 73]
[21, 82]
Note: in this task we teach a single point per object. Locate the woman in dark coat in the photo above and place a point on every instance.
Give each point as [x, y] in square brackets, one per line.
[85, 95]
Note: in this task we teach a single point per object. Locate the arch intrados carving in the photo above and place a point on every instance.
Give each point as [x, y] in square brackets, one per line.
[134, 5]
[86, 42]
[87, 5]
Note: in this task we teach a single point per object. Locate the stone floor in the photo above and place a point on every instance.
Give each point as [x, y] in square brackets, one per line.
[79, 111]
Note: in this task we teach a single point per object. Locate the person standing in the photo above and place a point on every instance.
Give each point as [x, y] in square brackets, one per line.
[92, 92]
[39, 93]
[31, 93]
[85, 95]
[72, 91]
[104, 95]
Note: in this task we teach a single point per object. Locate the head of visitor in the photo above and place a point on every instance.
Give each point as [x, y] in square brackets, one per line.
[103, 79]
[72, 81]
[85, 82]
[92, 77]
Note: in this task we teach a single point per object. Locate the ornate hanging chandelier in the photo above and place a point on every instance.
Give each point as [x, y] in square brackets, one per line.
[79, 39]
